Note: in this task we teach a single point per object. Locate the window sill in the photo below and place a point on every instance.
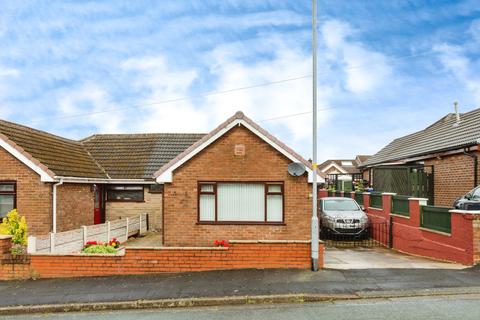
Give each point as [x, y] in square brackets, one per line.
[241, 223]
[137, 201]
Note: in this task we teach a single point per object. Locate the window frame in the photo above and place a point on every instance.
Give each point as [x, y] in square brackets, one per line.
[266, 194]
[108, 188]
[10, 193]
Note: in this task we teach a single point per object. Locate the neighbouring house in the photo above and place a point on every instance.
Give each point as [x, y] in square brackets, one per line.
[340, 174]
[439, 163]
[232, 183]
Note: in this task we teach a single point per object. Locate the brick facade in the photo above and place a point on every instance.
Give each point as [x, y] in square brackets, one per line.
[152, 206]
[453, 177]
[218, 162]
[74, 206]
[34, 198]
[240, 255]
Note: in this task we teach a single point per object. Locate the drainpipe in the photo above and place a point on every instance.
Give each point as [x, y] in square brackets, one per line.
[475, 167]
[54, 205]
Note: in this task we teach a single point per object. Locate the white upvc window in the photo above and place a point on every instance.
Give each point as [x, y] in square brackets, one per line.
[240, 202]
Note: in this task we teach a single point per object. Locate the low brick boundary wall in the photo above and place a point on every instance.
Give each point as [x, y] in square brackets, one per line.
[136, 261]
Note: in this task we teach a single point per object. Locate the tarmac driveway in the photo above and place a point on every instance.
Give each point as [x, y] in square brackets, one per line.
[380, 258]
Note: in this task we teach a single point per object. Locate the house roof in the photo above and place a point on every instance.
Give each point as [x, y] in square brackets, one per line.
[443, 135]
[137, 156]
[60, 156]
[119, 156]
[349, 169]
[164, 174]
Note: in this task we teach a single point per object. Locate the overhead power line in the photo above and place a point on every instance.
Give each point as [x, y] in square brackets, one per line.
[219, 92]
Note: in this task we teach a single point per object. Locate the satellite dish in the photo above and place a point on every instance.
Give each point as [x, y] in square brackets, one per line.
[296, 169]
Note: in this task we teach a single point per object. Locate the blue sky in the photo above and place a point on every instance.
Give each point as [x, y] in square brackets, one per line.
[386, 68]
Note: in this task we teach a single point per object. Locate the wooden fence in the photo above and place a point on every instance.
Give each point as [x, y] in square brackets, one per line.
[72, 241]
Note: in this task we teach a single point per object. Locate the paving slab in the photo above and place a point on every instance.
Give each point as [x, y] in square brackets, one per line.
[380, 258]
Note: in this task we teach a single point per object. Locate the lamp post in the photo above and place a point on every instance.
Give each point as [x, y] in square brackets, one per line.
[315, 231]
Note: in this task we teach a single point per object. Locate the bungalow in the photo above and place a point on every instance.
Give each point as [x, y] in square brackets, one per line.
[439, 162]
[232, 183]
[341, 174]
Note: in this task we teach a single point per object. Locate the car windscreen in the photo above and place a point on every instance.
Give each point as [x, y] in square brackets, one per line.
[340, 205]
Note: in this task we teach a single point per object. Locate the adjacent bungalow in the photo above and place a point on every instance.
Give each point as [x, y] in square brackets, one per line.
[232, 183]
[439, 162]
[341, 174]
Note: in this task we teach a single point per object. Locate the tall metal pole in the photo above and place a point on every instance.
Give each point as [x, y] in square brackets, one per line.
[315, 231]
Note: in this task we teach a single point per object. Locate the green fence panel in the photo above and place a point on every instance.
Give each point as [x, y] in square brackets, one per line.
[331, 193]
[346, 194]
[338, 194]
[359, 197]
[400, 205]
[376, 200]
[436, 218]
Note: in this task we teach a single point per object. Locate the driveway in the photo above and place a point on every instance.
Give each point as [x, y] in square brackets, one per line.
[380, 258]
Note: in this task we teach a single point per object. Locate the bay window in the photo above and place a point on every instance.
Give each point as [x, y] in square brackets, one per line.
[8, 195]
[240, 202]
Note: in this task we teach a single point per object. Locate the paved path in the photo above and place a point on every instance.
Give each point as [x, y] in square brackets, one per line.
[230, 283]
[380, 258]
[437, 308]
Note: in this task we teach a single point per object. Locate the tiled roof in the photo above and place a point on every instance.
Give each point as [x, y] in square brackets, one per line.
[62, 156]
[349, 169]
[443, 135]
[137, 156]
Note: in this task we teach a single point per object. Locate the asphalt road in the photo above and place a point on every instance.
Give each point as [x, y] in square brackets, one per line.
[441, 307]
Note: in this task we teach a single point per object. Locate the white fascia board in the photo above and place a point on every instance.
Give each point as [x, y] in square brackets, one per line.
[103, 181]
[167, 176]
[44, 176]
[333, 164]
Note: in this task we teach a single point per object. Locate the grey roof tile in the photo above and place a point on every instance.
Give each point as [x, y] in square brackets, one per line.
[440, 136]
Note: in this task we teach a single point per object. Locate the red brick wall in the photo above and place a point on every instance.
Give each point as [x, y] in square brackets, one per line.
[167, 260]
[453, 177]
[34, 198]
[74, 206]
[218, 163]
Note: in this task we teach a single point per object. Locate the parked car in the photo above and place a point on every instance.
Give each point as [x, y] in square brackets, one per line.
[342, 216]
[470, 201]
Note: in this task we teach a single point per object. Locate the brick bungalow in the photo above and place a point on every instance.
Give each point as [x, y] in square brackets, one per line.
[340, 173]
[439, 162]
[231, 183]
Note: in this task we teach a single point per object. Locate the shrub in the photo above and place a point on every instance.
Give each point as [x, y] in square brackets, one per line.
[15, 226]
[100, 249]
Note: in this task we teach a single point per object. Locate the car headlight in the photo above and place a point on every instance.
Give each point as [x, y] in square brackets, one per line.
[364, 219]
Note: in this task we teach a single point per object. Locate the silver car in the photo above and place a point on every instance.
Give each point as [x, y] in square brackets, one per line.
[342, 216]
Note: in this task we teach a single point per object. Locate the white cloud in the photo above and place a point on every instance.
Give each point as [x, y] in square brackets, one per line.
[366, 70]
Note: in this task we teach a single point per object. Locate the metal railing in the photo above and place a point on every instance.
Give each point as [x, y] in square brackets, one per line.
[359, 198]
[400, 205]
[436, 218]
[376, 200]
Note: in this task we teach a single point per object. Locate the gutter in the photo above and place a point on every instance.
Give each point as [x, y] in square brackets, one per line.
[475, 166]
[54, 205]
[103, 181]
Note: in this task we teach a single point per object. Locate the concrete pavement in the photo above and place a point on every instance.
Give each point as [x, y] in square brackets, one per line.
[234, 283]
[380, 258]
[438, 308]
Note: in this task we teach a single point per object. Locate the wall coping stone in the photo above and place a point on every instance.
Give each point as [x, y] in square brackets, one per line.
[366, 192]
[271, 241]
[419, 199]
[472, 212]
[389, 194]
[178, 248]
[5, 236]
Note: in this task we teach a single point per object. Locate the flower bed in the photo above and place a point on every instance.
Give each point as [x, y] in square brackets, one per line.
[95, 247]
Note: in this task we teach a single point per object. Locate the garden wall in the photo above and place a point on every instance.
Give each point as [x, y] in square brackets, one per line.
[239, 255]
[461, 243]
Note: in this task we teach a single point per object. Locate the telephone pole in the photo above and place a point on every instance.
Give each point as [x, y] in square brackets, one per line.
[315, 231]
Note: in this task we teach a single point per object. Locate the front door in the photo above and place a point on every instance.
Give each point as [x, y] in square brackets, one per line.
[98, 205]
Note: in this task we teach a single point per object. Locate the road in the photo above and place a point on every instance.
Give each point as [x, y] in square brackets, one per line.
[441, 307]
